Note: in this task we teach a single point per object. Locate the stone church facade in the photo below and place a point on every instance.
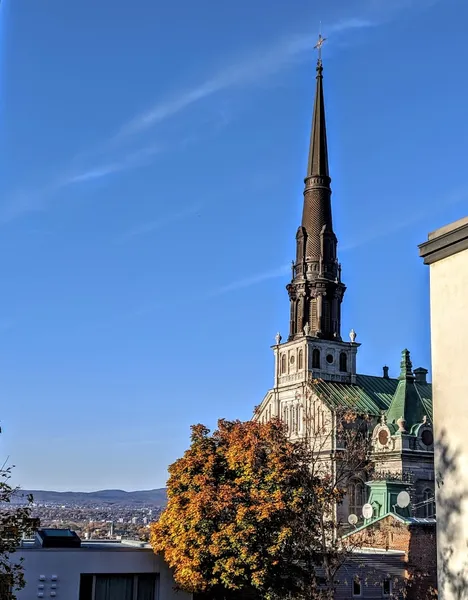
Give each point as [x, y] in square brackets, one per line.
[316, 370]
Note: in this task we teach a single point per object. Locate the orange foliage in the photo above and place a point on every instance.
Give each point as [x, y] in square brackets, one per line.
[237, 500]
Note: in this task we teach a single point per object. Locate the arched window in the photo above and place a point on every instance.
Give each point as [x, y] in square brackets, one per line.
[300, 360]
[316, 358]
[293, 419]
[429, 507]
[356, 497]
[343, 362]
[283, 363]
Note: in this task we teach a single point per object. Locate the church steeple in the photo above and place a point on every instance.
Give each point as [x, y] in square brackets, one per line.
[316, 290]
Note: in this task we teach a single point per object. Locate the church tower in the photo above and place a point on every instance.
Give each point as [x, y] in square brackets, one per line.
[315, 369]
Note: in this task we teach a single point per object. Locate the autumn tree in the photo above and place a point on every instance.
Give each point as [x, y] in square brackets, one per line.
[250, 514]
[338, 448]
[15, 520]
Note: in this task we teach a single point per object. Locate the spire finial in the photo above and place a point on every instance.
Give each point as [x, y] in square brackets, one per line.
[318, 46]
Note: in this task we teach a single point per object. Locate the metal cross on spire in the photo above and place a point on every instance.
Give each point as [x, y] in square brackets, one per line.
[318, 47]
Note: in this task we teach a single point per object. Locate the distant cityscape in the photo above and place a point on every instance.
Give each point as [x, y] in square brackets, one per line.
[106, 514]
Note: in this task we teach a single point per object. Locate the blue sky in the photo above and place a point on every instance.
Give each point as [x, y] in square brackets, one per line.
[151, 176]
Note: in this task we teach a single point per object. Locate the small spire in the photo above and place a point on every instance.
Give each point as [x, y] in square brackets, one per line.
[406, 367]
[407, 407]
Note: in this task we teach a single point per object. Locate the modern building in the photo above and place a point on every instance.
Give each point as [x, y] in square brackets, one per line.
[316, 369]
[57, 564]
[446, 252]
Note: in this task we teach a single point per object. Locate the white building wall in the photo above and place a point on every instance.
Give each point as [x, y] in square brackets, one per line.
[447, 254]
[68, 564]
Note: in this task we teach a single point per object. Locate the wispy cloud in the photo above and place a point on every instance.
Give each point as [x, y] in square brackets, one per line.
[255, 67]
[458, 195]
[263, 63]
[130, 161]
[253, 280]
[165, 220]
[27, 201]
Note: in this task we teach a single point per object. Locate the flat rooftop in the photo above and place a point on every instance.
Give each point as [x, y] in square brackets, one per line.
[102, 545]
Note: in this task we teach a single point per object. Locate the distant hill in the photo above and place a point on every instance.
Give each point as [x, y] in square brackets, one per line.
[157, 497]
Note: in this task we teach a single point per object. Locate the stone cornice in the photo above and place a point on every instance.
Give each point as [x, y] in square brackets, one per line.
[445, 242]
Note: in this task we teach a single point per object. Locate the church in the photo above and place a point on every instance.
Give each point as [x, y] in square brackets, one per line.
[316, 373]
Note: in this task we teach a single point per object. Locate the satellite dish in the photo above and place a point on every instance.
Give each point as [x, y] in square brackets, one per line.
[367, 511]
[352, 519]
[403, 499]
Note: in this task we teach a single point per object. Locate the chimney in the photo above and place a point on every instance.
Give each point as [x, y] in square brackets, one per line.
[385, 373]
[420, 375]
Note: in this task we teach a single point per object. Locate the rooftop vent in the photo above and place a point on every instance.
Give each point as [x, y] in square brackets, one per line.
[385, 373]
[57, 538]
[420, 375]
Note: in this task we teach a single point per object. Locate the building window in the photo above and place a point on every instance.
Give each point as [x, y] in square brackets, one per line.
[316, 358]
[429, 508]
[343, 362]
[118, 587]
[356, 587]
[387, 587]
[356, 498]
[283, 363]
[300, 360]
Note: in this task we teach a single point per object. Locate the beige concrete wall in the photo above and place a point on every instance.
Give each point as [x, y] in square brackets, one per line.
[447, 254]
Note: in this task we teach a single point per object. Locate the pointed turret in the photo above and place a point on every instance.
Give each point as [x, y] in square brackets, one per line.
[316, 290]
[407, 408]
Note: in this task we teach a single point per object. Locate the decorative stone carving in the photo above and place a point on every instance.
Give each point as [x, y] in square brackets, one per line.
[278, 338]
[352, 336]
[306, 329]
[401, 424]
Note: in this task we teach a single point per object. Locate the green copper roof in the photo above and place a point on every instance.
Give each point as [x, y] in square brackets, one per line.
[373, 395]
[407, 403]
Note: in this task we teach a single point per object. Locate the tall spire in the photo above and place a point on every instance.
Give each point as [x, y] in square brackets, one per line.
[318, 152]
[316, 290]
